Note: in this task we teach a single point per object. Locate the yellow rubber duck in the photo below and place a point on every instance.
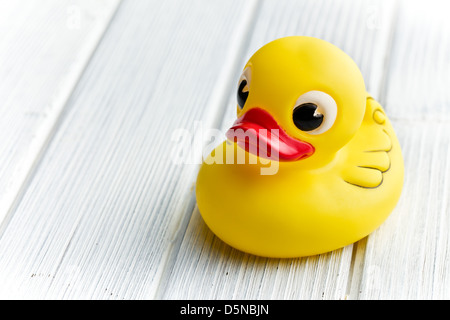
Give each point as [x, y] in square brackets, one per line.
[338, 164]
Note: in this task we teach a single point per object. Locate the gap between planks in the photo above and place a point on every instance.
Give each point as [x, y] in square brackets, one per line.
[359, 248]
[218, 101]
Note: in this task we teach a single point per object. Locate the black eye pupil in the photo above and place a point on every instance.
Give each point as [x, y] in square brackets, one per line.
[241, 95]
[305, 119]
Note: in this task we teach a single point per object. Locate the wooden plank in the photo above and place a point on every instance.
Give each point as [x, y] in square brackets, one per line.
[44, 47]
[406, 257]
[106, 204]
[205, 267]
[418, 78]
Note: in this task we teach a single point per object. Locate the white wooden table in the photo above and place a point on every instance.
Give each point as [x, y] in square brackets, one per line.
[91, 205]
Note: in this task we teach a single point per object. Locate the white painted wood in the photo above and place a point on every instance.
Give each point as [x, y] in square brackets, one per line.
[207, 268]
[106, 204]
[44, 47]
[419, 64]
[407, 257]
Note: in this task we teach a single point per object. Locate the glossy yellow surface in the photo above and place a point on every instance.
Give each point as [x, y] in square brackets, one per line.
[337, 196]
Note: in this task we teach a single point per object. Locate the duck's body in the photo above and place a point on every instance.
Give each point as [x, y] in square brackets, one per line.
[322, 202]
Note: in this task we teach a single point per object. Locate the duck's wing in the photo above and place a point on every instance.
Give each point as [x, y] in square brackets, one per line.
[367, 154]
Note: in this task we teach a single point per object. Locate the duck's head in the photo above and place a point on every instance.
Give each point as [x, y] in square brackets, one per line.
[308, 89]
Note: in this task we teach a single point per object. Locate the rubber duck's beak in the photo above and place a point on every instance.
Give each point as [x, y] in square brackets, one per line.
[258, 133]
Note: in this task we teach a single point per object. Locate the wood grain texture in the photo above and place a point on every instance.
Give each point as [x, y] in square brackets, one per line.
[44, 47]
[206, 267]
[407, 257]
[418, 77]
[104, 207]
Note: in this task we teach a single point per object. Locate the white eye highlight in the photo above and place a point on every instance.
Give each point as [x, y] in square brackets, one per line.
[246, 75]
[314, 112]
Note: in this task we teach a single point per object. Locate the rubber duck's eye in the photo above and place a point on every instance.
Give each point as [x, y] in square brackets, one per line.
[244, 87]
[306, 117]
[242, 93]
[314, 112]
